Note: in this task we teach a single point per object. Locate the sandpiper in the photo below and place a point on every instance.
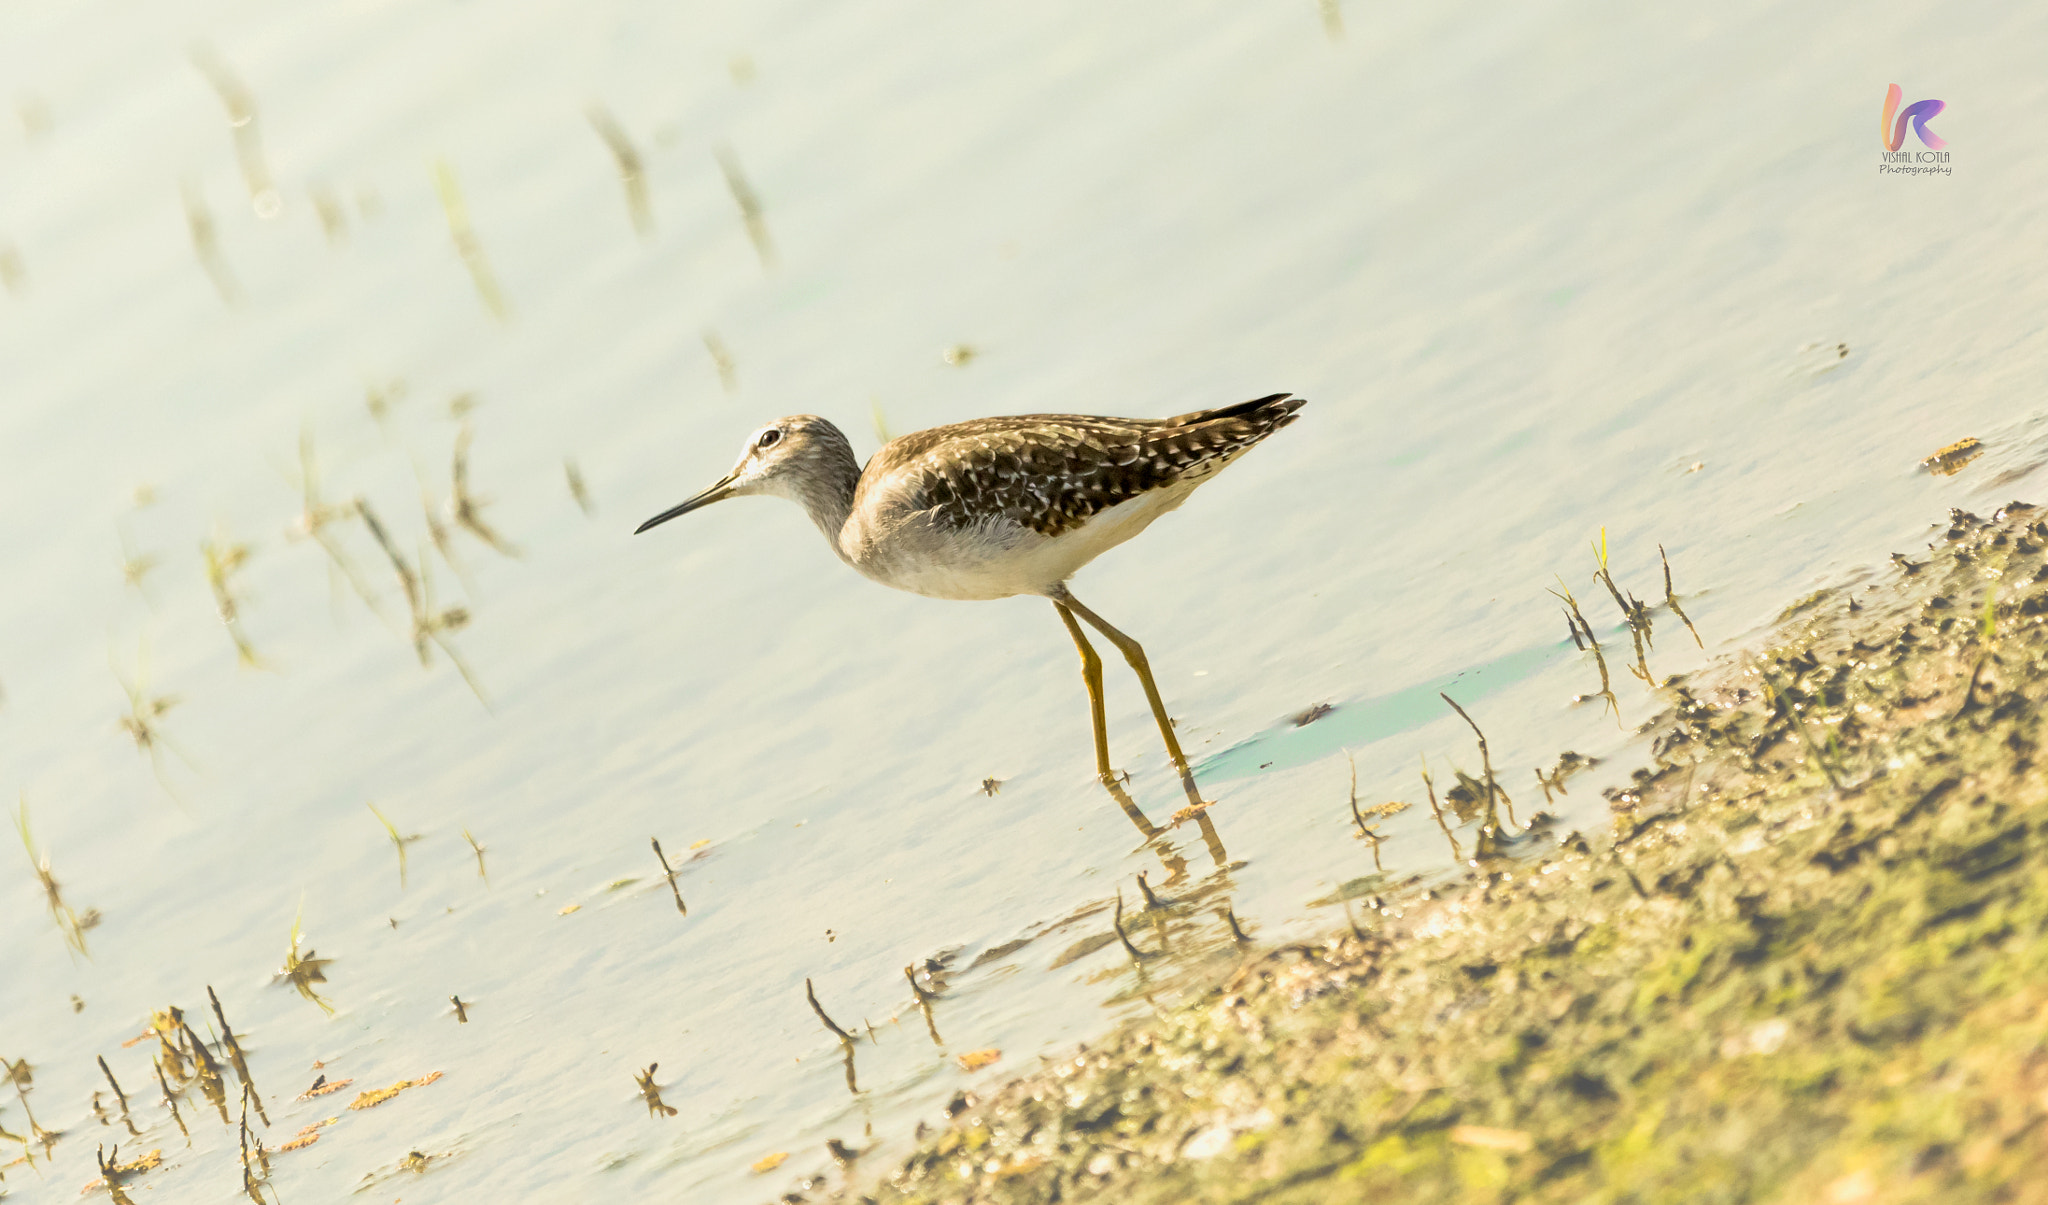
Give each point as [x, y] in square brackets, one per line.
[996, 507]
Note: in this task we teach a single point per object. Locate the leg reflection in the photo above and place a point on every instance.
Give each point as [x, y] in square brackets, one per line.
[1214, 842]
[1145, 827]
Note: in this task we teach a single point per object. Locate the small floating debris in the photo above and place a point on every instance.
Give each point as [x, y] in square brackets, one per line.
[323, 1086]
[768, 1163]
[303, 971]
[1304, 718]
[651, 1093]
[141, 1163]
[1820, 357]
[1568, 764]
[371, 1099]
[1951, 460]
[308, 1134]
[959, 355]
[113, 1173]
[975, 1060]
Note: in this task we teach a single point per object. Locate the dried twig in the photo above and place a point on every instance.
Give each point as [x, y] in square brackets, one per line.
[1151, 899]
[669, 873]
[924, 1004]
[1117, 921]
[632, 171]
[479, 851]
[1671, 599]
[1493, 787]
[467, 245]
[749, 201]
[1365, 831]
[1582, 633]
[234, 1049]
[811, 994]
[118, 1095]
[171, 1100]
[1429, 785]
[1633, 612]
[466, 508]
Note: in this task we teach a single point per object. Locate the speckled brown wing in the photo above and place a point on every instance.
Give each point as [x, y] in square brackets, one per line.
[1053, 472]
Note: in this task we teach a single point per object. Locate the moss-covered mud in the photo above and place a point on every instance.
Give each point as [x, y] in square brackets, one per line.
[1810, 963]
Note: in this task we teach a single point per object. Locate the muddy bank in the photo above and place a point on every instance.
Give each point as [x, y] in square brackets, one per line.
[1809, 962]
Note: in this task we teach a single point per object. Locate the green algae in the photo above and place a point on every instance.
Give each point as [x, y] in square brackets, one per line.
[1809, 963]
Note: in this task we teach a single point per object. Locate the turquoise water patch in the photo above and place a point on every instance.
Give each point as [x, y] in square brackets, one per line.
[1363, 721]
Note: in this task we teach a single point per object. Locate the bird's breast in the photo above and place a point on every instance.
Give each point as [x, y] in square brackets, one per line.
[917, 554]
[929, 553]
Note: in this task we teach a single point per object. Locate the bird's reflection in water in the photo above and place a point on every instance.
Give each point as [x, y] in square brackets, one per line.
[1154, 835]
[1146, 829]
[1214, 842]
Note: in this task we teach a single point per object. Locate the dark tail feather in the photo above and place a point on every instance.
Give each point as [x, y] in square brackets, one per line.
[1273, 412]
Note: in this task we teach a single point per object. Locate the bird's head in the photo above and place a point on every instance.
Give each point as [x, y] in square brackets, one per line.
[798, 458]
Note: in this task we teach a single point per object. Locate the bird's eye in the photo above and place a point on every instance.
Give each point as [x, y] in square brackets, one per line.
[769, 439]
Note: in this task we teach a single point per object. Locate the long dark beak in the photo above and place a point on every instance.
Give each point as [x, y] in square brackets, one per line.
[718, 491]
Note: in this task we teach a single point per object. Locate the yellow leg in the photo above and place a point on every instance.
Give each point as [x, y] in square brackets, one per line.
[1091, 677]
[1135, 654]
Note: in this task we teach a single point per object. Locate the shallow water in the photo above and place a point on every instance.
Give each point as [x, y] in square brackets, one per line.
[1539, 274]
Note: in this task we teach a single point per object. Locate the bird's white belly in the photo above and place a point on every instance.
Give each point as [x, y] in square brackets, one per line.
[1000, 559]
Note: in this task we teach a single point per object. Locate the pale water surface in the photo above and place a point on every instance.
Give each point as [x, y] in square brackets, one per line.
[1540, 270]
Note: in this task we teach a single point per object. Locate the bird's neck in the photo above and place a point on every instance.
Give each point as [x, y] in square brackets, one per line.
[826, 493]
